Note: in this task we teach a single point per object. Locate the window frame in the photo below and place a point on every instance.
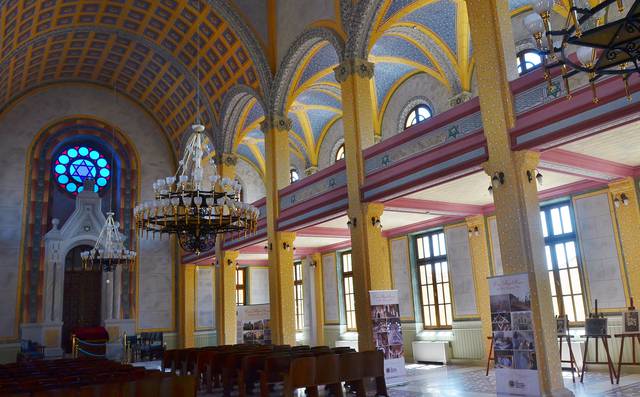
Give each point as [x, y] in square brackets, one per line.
[432, 261]
[551, 241]
[294, 175]
[350, 320]
[415, 113]
[521, 62]
[298, 295]
[241, 289]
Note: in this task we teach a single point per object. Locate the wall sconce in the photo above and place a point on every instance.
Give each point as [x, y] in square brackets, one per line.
[497, 179]
[623, 199]
[538, 176]
[230, 262]
[286, 246]
[375, 222]
[490, 190]
[313, 264]
[353, 222]
[474, 232]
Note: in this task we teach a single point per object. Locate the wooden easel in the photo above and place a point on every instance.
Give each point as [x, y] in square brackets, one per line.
[490, 356]
[572, 360]
[635, 336]
[605, 342]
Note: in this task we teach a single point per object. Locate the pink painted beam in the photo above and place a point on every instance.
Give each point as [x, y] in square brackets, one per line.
[436, 207]
[334, 247]
[319, 231]
[592, 167]
[416, 227]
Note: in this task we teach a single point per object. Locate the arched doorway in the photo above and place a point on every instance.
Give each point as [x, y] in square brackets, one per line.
[82, 295]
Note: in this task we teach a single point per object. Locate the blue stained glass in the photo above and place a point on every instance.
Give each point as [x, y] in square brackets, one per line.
[79, 163]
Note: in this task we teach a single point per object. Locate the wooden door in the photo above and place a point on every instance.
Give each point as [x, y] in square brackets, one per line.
[82, 296]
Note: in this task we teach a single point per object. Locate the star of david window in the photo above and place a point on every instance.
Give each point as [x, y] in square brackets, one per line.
[76, 163]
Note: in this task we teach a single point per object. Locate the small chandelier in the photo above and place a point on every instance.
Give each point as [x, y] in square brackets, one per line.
[109, 250]
[193, 209]
[609, 49]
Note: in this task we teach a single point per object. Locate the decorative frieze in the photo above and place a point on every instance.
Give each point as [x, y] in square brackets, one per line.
[351, 66]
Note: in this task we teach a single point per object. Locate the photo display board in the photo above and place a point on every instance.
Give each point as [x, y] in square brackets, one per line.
[387, 334]
[254, 324]
[513, 335]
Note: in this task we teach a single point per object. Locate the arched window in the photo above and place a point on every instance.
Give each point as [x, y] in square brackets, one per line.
[528, 60]
[340, 153]
[76, 163]
[417, 115]
[293, 175]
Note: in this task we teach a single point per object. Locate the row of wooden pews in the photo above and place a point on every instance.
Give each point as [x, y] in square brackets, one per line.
[243, 367]
[86, 377]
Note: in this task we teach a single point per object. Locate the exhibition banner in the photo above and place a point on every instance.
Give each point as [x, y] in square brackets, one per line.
[254, 324]
[387, 334]
[513, 335]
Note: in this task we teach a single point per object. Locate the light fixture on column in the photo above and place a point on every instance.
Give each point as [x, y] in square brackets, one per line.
[602, 49]
[109, 250]
[313, 264]
[538, 176]
[474, 231]
[622, 199]
[286, 246]
[375, 222]
[490, 190]
[352, 222]
[497, 179]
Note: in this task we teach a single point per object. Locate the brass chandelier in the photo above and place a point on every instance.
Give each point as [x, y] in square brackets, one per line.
[192, 208]
[608, 49]
[109, 250]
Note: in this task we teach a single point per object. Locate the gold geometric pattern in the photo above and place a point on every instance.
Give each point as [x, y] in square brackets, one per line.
[148, 47]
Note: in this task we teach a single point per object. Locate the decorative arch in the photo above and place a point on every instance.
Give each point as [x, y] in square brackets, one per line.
[410, 105]
[362, 22]
[39, 193]
[234, 104]
[291, 61]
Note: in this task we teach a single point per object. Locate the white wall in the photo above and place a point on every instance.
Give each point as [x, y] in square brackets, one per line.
[252, 182]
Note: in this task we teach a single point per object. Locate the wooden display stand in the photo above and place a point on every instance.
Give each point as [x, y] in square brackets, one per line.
[490, 356]
[631, 330]
[601, 336]
[562, 335]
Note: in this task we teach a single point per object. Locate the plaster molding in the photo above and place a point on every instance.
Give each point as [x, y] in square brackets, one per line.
[234, 102]
[278, 122]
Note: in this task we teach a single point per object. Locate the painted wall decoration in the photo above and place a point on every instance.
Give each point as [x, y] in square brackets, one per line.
[254, 324]
[258, 285]
[462, 281]
[599, 251]
[205, 309]
[402, 275]
[330, 284]
[387, 334]
[513, 335]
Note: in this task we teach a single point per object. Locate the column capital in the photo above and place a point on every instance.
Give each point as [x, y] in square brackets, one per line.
[229, 159]
[523, 160]
[624, 185]
[278, 122]
[310, 170]
[352, 66]
[475, 220]
[460, 98]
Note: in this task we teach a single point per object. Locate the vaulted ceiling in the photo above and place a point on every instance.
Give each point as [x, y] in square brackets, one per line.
[147, 49]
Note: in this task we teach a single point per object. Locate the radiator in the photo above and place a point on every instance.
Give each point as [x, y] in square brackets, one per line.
[431, 351]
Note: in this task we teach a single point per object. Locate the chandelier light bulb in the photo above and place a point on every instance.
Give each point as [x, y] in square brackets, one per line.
[534, 24]
[585, 56]
[616, 202]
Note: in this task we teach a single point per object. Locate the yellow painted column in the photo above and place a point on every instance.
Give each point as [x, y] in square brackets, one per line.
[280, 244]
[479, 252]
[515, 194]
[370, 251]
[227, 165]
[627, 213]
[315, 260]
[187, 290]
[225, 297]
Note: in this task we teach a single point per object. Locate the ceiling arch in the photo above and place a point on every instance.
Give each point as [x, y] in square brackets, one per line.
[143, 41]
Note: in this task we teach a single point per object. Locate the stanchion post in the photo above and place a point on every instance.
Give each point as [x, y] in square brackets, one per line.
[74, 346]
[125, 349]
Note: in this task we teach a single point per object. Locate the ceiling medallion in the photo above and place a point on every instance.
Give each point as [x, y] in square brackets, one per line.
[109, 250]
[193, 209]
[602, 49]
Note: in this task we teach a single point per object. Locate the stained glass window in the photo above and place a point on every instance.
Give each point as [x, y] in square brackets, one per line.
[77, 163]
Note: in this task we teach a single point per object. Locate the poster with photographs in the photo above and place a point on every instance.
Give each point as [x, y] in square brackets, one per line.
[562, 325]
[595, 326]
[631, 322]
[254, 324]
[387, 334]
[514, 346]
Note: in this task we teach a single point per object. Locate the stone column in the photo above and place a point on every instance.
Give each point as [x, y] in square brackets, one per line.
[515, 195]
[370, 256]
[317, 319]
[627, 215]
[280, 244]
[187, 325]
[225, 297]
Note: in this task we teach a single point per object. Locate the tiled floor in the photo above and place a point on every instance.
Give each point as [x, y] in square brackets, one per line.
[470, 381]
